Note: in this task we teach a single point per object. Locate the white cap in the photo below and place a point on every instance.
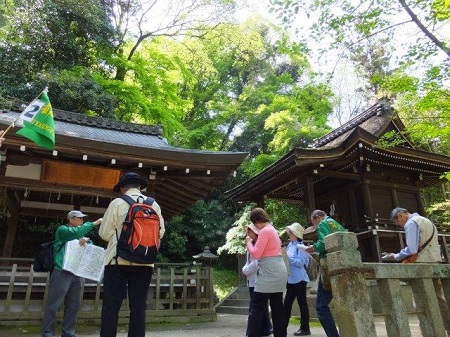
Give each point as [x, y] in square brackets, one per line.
[75, 214]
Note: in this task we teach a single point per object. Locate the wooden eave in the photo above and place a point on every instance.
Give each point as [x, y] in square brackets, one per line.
[285, 179]
[177, 177]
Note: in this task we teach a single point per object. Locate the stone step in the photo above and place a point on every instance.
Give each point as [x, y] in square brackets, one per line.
[239, 296]
[232, 310]
[230, 302]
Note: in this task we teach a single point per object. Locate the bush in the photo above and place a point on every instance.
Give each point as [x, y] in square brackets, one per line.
[225, 280]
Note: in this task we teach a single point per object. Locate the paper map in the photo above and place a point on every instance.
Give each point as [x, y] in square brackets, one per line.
[84, 261]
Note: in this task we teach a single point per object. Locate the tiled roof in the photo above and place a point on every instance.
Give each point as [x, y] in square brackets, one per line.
[370, 120]
[100, 129]
[105, 123]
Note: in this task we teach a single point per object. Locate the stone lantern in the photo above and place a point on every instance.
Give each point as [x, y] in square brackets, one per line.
[206, 257]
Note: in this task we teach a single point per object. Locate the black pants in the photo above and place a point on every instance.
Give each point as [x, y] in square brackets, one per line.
[297, 291]
[266, 324]
[117, 279]
[257, 313]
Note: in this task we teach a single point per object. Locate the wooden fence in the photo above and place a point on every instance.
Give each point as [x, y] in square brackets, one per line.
[362, 291]
[178, 292]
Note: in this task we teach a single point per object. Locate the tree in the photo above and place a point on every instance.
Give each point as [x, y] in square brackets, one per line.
[251, 90]
[415, 31]
[49, 36]
[135, 20]
[350, 23]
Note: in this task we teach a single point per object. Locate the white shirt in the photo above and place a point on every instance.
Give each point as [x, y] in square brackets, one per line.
[112, 223]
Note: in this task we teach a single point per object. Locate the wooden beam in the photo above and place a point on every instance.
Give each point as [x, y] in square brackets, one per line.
[333, 174]
[380, 183]
[177, 190]
[194, 190]
[47, 187]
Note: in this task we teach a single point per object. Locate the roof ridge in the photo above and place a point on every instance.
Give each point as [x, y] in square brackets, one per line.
[106, 123]
[18, 105]
[379, 108]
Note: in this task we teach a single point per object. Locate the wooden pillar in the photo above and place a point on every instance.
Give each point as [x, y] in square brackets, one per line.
[13, 219]
[367, 201]
[420, 207]
[394, 197]
[354, 214]
[10, 234]
[310, 201]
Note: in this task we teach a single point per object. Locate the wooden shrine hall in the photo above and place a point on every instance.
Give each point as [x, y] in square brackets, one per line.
[349, 176]
[89, 157]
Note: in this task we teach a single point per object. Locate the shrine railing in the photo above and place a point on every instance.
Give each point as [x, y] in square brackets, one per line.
[177, 292]
[352, 281]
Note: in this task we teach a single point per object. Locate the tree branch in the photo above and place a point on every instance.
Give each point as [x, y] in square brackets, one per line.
[440, 44]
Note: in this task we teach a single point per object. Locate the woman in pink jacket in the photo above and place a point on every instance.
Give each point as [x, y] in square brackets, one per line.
[271, 278]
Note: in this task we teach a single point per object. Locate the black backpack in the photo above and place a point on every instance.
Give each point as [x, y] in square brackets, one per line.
[312, 269]
[139, 239]
[43, 261]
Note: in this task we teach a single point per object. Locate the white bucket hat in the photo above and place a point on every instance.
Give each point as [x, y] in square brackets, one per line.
[296, 229]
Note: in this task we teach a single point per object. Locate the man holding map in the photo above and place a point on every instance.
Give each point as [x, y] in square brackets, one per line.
[65, 286]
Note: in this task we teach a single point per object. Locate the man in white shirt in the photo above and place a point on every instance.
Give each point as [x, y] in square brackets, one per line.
[121, 274]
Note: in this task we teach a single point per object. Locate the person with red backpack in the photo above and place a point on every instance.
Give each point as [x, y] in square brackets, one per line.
[133, 227]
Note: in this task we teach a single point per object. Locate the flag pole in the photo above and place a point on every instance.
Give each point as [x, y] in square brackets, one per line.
[14, 121]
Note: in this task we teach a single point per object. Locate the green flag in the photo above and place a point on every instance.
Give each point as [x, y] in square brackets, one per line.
[38, 123]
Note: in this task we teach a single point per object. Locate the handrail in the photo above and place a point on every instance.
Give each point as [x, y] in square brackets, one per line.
[351, 279]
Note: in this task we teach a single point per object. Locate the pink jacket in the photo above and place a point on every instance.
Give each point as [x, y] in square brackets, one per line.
[268, 243]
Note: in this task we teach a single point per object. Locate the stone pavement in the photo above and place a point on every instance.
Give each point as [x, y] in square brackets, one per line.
[227, 325]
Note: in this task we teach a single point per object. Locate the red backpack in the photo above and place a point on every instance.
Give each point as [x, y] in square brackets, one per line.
[139, 239]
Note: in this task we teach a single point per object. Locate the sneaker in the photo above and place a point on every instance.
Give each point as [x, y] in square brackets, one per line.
[301, 332]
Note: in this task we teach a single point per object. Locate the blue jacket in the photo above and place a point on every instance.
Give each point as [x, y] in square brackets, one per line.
[297, 259]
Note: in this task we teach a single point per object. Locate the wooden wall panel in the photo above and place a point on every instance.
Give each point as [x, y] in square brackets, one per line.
[79, 174]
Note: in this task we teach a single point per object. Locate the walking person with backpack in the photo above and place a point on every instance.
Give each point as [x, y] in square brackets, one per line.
[65, 286]
[297, 279]
[130, 254]
[325, 225]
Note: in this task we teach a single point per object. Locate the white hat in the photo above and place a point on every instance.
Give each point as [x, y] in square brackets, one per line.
[253, 228]
[297, 230]
[75, 214]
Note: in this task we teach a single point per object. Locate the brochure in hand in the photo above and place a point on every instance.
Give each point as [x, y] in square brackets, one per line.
[84, 261]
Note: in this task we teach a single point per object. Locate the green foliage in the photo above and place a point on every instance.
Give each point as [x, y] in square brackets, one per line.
[48, 35]
[78, 91]
[225, 280]
[173, 247]
[423, 105]
[253, 166]
[349, 24]
[440, 214]
[235, 236]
